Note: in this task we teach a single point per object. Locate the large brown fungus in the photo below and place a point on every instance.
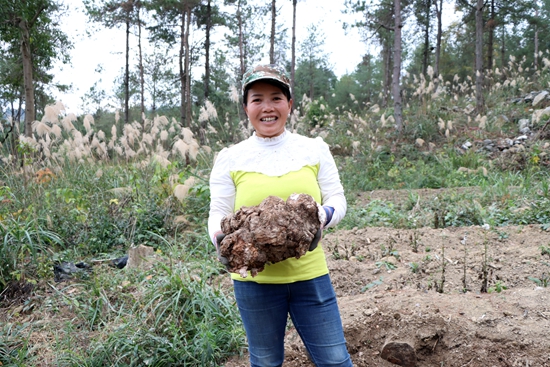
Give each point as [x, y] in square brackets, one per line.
[271, 232]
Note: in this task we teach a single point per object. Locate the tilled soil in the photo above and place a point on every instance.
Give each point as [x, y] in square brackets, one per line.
[424, 287]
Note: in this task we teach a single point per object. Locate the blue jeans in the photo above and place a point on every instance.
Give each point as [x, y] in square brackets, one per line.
[314, 312]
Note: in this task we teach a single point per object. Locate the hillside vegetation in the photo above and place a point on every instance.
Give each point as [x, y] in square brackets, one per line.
[78, 196]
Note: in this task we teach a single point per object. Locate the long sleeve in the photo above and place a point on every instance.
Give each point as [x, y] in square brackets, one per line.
[332, 190]
[222, 193]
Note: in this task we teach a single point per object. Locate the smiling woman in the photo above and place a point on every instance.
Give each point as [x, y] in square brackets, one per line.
[267, 100]
[274, 164]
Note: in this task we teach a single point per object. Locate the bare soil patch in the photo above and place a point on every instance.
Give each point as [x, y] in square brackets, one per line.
[382, 299]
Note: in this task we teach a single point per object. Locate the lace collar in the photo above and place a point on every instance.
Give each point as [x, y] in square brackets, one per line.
[276, 140]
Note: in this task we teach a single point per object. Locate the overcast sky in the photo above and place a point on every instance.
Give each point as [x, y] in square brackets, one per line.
[106, 48]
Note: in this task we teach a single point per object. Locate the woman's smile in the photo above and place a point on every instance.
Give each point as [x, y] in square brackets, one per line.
[267, 108]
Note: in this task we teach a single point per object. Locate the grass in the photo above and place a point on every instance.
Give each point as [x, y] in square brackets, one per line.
[102, 195]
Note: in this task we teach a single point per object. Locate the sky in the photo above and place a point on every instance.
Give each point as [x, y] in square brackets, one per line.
[106, 48]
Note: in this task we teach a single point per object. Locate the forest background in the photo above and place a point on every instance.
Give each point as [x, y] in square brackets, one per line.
[426, 107]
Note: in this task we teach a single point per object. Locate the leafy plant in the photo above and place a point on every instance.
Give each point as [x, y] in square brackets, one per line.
[542, 281]
[14, 349]
[388, 265]
[498, 287]
[25, 245]
[415, 267]
[372, 285]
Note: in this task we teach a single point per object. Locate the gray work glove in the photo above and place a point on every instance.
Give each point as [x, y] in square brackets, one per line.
[316, 240]
[219, 238]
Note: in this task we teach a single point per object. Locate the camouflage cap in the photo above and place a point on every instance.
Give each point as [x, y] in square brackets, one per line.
[262, 72]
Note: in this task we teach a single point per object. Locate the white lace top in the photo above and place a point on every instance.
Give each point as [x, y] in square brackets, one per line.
[276, 156]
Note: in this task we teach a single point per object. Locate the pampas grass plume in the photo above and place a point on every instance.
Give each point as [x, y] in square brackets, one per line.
[194, 150]
[181, 147]
[181, 192]
[187, 135]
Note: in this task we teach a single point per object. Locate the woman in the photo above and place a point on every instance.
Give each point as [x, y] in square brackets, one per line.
[274, 161]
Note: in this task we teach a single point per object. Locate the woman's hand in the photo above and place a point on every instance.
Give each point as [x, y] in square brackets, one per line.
[218, 238]
[316, 240]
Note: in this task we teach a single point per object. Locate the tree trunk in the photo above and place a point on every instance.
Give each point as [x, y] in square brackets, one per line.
[127, 74]
[387, 59]
[491, 37]
[396, 85]
[272, 39]
[311, 79]
[183, 82]
[426, 39]
[479, 56]
[536, 55]
[141, 76]
[293, 62]
[241, 46]
[207, 50]
[27, 76]
[503, 48]
[439, 12]
[187, 70]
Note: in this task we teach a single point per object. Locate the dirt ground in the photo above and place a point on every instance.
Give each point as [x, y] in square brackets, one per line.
[408, 285]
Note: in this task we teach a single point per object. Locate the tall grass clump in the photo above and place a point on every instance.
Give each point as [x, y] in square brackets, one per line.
[14, 349]
[176, 317]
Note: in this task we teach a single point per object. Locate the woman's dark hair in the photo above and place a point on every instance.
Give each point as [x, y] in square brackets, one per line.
[274, 83]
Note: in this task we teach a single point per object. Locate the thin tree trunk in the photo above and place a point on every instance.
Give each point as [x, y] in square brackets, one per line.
[127, 74]
[187, 70]
[293, 62]
[479, 56]
[491, 37]
[183, 81]
[426, 39]
[311, 79]
[207, 50]
[27, 76]
[503, 49]
[241, 46]
[141, 76]
[272, 39]
[396, 85]
[439, 12]
[387, 59]
[536, 56]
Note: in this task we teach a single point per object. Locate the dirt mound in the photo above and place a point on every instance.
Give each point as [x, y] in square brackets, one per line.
[423, 287]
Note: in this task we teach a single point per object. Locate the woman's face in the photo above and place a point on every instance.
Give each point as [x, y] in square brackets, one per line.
[267, 109]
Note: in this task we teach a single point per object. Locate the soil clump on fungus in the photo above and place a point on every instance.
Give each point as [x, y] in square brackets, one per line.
[270, 232]
[423, 287]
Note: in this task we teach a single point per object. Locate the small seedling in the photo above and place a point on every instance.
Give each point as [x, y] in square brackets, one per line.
[388, 265]
[414, 241]
[542, 282]
[371, 285]
[415, 267]
[544, 250]
[439, 286]
[501, 235]
[484, 266]
[464, 283]
[498, 287]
